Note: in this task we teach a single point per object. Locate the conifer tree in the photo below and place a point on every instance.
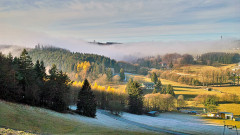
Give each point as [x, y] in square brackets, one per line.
[169, 90]
[122, 74]
[86, 104]
[171, 65]
[163, 91]
[154, 77]
[158, 86]
[135, 97]
[109, 74]
[26, 78]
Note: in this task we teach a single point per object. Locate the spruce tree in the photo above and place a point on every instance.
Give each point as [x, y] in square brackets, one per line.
[171, 65]
[163, 91]
[122, 75]
[169, 90]
[158, 86]
[154, 77]
[135, 97]
[109, 74]
[26, 76]
[86, 104]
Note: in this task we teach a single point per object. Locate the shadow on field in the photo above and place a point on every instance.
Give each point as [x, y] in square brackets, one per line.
[182, 90]
[187, 96]
[186, 87]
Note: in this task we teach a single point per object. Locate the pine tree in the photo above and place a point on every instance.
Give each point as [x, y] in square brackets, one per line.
[122, 74]
[169, 90]
[158, 86]
[43, 70]
[26, 78]
[129, 84]
[163, 91]
[109, 74]
[39, 78]
[171, 65]
[154, 77]
[135, 97]
[86, 104]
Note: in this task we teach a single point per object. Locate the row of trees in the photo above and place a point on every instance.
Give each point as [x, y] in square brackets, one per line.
[159, 102]
[211, 102]
[204, 77]
[22, 81]
[219, 57]
[175, 59]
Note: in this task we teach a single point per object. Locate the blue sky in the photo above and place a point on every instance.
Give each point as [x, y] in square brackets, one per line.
[34, 21]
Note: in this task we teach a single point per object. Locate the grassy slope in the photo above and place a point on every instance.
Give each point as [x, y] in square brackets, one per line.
[37, 120]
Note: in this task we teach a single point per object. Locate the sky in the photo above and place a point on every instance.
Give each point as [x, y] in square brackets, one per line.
[29, 22]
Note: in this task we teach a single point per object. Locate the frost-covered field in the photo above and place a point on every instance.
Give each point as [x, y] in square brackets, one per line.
[178, 122]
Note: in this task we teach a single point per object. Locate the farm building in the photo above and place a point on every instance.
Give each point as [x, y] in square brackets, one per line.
[223, 115]
[226, 115]
[148, 86]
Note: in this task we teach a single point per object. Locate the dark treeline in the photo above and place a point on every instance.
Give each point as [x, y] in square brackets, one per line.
[150, 62]
[133, 68]
[67, 61]
[219, 57]
[23, 82]
[161, 62]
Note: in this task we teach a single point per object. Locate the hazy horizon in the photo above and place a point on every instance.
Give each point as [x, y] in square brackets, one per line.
[144, 27]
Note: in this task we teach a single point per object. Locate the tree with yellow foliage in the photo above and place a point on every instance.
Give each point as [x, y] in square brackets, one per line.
[82, 69]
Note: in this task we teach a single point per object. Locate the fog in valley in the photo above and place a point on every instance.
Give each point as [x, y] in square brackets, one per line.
[132, 51]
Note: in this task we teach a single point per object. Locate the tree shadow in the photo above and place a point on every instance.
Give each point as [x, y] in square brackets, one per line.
[187, 96]
[186, 87]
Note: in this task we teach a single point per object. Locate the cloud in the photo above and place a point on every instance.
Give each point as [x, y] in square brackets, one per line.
[122, 21]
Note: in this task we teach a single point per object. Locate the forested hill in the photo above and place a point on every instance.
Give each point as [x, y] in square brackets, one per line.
[67, 61]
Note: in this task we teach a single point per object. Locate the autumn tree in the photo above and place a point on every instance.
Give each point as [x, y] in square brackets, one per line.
[211, 103]
[180, 101]
[116, 79]
[186, 59]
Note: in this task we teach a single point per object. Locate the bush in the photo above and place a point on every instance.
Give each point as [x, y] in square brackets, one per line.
[227, 97]
[210, 102]
[115, 107]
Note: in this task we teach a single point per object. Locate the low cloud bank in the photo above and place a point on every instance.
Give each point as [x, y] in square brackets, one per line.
[131, 51]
